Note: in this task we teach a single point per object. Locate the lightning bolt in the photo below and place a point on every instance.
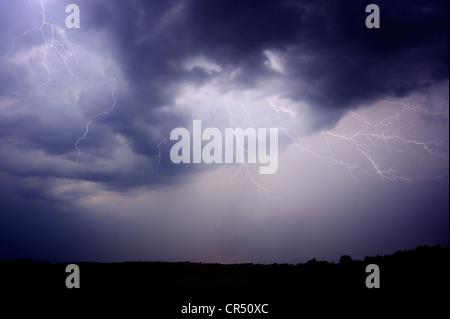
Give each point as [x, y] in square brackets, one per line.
[294, 141]
[372, 138]
[49, 43]
[95, 117]
[279, 110]
[372, 144]
[158, 164]
[48, 34]
[262, 191]
[386, 133]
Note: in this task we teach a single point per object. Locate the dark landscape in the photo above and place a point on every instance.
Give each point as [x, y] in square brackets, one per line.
[415, 274]
[204, 156]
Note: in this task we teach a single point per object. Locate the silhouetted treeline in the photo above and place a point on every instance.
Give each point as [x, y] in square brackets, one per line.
[415, 274]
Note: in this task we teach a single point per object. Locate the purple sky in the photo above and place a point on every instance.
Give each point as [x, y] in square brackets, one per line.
[86, 116]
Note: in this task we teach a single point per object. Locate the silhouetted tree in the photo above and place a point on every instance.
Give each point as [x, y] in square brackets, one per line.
[312, 261]
[345, 259]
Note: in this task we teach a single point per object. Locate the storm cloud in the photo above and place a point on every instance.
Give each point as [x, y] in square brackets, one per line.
[86, 115]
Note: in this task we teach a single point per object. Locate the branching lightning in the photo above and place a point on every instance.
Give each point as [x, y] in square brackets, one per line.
[49, 43]
[48, 34]
[244, 166]
[378, 149]
[386, 133]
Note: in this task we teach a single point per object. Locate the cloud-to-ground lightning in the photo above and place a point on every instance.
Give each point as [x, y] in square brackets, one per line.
[49, 43]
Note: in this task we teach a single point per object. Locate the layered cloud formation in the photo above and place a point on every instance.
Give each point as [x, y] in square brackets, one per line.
[86, 115]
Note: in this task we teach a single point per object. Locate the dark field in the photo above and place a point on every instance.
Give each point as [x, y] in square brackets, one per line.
[416, 274]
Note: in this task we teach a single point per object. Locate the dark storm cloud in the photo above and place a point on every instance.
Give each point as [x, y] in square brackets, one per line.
[114, 206]
[334, 63]
[342, 62]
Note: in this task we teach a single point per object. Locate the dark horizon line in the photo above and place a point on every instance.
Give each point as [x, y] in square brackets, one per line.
[313, 260]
